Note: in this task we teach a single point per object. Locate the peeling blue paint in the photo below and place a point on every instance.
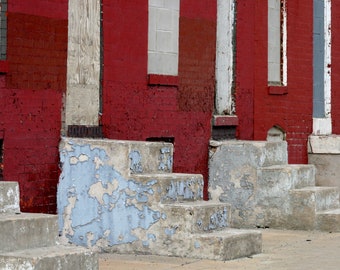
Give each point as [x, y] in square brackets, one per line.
[165, 159]
[113, 216]
[183, 189]
[218, 220]
[197, 245]
[170, 231]
[136, 164]
[152, 237]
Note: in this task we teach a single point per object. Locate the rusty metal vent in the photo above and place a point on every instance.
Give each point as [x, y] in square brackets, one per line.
[80, 131]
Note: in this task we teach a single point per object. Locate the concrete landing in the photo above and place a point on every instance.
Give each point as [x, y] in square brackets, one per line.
[282, 250]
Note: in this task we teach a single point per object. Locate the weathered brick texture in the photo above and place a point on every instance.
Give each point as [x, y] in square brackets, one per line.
[134, 110]
[257, 110]
[31, 99]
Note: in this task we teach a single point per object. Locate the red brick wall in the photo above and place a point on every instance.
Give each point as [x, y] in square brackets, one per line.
[134, 110]
[292, 111]
[335, 67]
[31, 99]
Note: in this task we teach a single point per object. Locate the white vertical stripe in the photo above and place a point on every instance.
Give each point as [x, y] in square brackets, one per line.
[224, 56]
[323, 126]
[284, 45]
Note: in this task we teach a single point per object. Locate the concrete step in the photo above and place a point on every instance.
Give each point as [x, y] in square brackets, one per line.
[199, 216]
[328, 220]
[233, 170]
[306, 202]
[25, 230]
[9, 197]
[227, 244]
[54, 257]
[125, 157]
[286, 177]
[172, 187]
[253, 153]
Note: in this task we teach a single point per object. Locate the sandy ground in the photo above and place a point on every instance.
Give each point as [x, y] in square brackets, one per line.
[281, 250]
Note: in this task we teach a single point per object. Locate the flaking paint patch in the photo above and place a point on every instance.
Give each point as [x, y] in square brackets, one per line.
[97, 205]
[185, 189]
[218, 220]
[136, 162]
[97, 190]
[165, 159]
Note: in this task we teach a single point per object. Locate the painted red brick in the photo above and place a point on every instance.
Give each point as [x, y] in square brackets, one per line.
[256, 108]
[31, 93]
[134, 110]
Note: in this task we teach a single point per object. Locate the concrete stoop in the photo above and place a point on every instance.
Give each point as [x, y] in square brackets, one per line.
[29, 241]
[52, 257]
[119, 196]
[265, 191]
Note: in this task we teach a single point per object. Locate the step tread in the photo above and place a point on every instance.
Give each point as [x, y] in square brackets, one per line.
[316, 189]
[229, 232]
[226, 244]
[330, 212]
[166, 175]
[196, 204]
[25, 216]
[287, 166]
[50, 251]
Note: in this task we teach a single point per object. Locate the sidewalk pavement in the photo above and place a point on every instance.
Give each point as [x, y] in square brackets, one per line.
[282, 250]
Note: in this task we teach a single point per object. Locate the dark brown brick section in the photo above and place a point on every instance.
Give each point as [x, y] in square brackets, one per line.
[81, 131]
[196, 64]
[37, 52]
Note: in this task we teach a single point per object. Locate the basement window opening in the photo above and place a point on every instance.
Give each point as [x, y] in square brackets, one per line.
[1, 159]
[277, 43]
[3, 29]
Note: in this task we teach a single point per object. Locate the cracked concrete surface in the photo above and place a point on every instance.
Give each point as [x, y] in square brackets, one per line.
[282, 250]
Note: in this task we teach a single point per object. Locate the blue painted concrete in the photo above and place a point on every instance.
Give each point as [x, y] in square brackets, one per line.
[111, 217]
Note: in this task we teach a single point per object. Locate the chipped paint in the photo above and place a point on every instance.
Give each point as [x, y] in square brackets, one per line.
[96, 203]
[136, 165]
[185, 189]
[165, 159]
[218, 220]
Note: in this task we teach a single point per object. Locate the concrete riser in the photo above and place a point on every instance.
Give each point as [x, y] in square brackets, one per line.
[25, 231]
[198, 217]
[285, 177]
[56, 258]
[9, 197]
[225, 245]
[328, 220]
[172, 187]
[127, 157]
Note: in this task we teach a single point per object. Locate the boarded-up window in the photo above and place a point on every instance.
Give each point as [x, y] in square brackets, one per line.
[163, 37]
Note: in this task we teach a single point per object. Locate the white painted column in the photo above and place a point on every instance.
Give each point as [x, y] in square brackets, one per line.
[83, 63]
[323, 126]
[224, 56]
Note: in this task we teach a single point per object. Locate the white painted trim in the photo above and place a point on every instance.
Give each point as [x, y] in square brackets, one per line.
[328, 60]
[324, 144]
[323, 126]
[224, 56]
[284, 45]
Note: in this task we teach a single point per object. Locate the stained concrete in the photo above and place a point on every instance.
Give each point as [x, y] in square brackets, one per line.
[324, 154]
[282, 250]
[266, 192]
[115, 196]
